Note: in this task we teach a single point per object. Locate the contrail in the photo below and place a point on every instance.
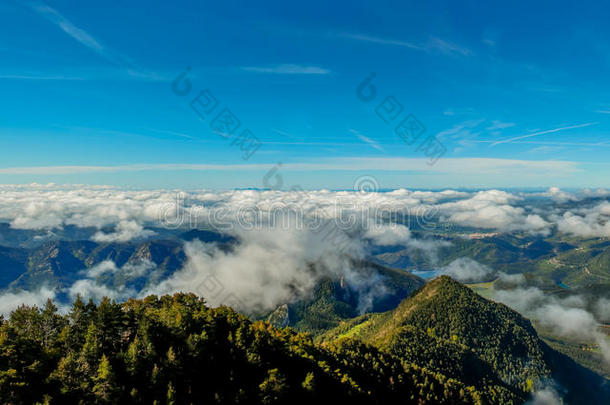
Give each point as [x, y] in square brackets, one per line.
[548, 131]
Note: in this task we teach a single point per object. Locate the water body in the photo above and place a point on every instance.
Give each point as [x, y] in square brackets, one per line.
[426, 274]
[562, 285]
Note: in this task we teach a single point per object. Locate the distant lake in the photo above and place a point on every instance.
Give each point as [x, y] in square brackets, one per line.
[562, 285]
[425, 274]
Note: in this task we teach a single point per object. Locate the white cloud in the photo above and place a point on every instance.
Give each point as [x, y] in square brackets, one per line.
[125, 231]
[566, 321]
[494, 209]
[116, 215]
[388, 235]
[91, 289]
[467, 270]
[521, 299]
[545, 396]
[586, 222]
[515, 279]
[38, 208]
[107, 266]
[140, 269]
[556, 194]
[564, 317]
[267, 268]
[602, 309]
[9, 301]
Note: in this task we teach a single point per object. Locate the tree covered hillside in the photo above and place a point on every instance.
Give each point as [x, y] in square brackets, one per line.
[175, 350]
[444, 344]
[448, 328]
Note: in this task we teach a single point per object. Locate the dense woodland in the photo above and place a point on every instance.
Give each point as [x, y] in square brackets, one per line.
[175, 350]
[447, 328]
[445, 344]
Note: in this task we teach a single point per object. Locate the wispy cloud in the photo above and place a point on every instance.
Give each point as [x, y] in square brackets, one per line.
[174, 133]
[87, 40]
[603, 111]
[471, 166]
[433, 44]
[368, 140]
[551, 143]
[447, 47]
[58, 170]
[548, 131]
[450, 112]
[383, 41]
[496, 124]
[38, 77]
[462, 130]
[546, 149]
[72, 30]
[111, 73]
[283, 133]
[288, 69]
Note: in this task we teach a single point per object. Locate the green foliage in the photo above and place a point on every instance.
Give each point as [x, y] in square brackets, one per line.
[175, 350]
[447, 328]
[444, 345]
[105, 388]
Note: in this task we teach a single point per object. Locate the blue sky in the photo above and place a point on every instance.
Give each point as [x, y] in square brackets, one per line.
[517, 94]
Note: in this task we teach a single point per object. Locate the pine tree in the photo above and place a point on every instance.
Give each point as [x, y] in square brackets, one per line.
[50, 323]
[171, 394]
[273, 387]
[105, 388]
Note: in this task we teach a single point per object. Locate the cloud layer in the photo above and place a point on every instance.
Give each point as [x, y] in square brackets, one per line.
[288, 240]
[121, 215]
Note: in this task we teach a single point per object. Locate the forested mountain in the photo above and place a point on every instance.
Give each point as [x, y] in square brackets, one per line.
[59, 263]
[175, 350]
[447, 328]
[363, 341]
[445, 344]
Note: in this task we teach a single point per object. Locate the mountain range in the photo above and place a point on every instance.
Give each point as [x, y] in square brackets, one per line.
[395, 338]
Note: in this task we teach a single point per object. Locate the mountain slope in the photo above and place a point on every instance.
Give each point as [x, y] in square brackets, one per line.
[13, 263]
[59, 264]
[448, 328]
[174, 349]
[336, 300]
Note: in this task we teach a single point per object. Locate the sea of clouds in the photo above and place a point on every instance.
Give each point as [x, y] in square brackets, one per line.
[288, 240]
[134, 214]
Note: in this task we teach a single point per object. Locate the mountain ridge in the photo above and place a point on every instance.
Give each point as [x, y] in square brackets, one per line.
[446, 327]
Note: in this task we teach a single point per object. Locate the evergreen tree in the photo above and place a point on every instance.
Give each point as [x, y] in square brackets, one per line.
[105, 387]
